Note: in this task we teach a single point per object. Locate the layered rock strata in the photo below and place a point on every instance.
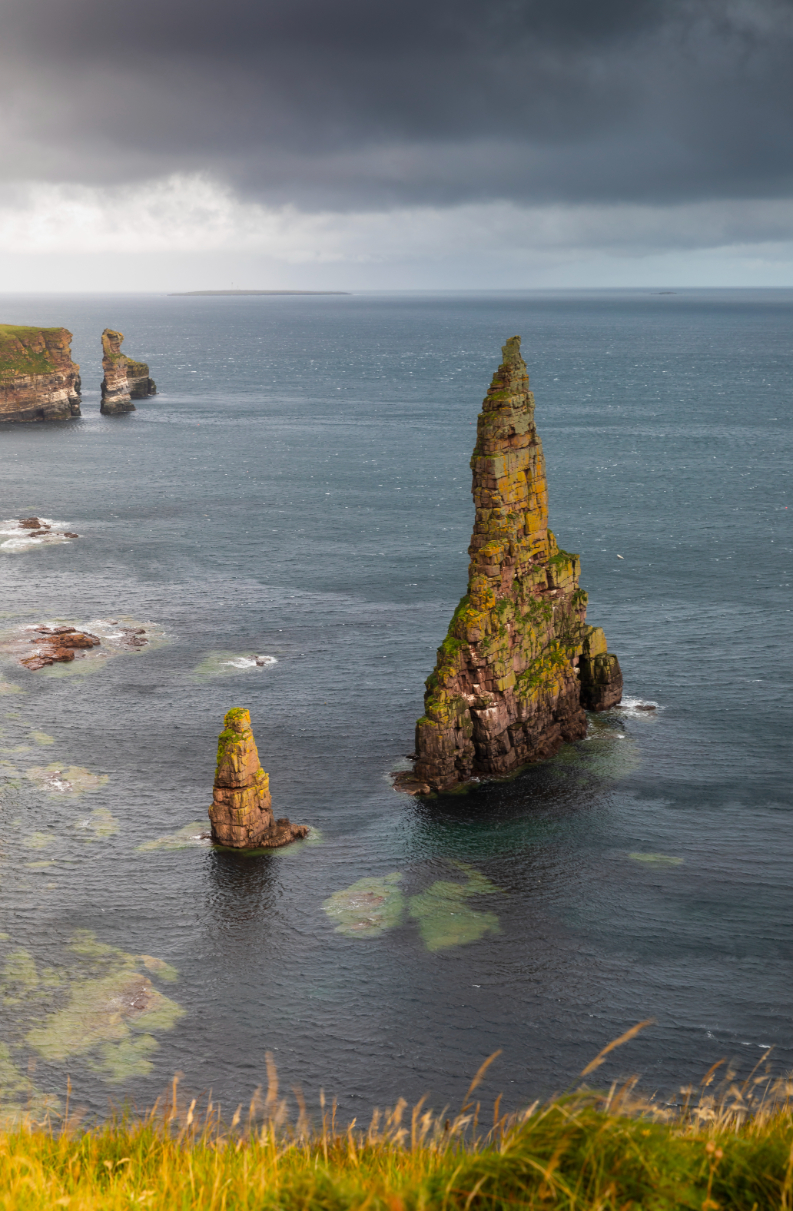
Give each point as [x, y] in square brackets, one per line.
[38, 379]
[241, 811]
[520, 666]
[57, 644]
[124, 379]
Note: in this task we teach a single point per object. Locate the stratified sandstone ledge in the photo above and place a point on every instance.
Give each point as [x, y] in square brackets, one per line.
[241, 811]
[519, 666]
[38, 379]
[124, 379]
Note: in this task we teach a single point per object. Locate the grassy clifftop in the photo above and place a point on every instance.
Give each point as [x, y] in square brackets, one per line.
[580, 1153]
[26, 350]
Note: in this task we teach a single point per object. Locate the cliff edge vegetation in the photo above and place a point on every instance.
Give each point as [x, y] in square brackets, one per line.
[519, 666]
[585, 1152]
[38, 379]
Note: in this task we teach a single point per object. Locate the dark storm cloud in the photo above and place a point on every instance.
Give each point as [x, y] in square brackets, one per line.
[353, 104]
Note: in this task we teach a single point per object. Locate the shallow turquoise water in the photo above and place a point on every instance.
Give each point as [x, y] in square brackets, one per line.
[300, 489]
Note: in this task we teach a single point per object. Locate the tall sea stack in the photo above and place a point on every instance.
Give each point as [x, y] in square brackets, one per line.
[241, 811]
[519, 666]
[38, 379]
[124, 379]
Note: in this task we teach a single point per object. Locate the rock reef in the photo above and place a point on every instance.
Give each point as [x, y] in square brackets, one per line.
[519, 667]
[38, 379]
[241, 811]
[57, 644]
[124, 379]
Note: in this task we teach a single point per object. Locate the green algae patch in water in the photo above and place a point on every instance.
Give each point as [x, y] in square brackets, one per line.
[367, 908]
[315, 837]
[188, 837]
[21, 1102]
[42, 738]
[99, 825]
[101, 1012]
[39, 840]
[445, 919]
[101, 1007]
[119, 1062]
[73, 780]
[657, 859]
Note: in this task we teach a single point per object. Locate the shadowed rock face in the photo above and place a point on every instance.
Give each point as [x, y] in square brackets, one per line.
[241, 811]
[124, 379]
[38, 379]
[519, 665]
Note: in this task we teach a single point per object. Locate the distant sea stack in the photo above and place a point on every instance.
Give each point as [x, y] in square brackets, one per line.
[519, 665]
[38, 379]
[124, 379]
[241, 811]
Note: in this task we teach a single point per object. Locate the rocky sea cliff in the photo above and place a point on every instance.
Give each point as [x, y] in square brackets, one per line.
[38, 379]
[125, 379]
[519, 667]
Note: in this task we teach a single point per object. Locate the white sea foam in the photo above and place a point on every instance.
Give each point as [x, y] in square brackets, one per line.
[250, 662]
[636, 708]
[17, 538]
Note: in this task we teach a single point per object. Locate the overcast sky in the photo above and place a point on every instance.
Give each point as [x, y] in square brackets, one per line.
[163, 144]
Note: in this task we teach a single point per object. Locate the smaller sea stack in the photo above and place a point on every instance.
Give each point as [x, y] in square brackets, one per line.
[124, 379]
[241, 811]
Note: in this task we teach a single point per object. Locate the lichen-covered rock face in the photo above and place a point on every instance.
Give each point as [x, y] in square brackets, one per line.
[38, 379]
[241, 811]
[124, 379]
[519, 665]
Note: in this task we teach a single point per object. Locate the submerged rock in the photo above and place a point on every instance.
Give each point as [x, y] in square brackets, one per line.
[241, 811]
[519, 666]
[124, 379]
[368, 908]
[38, 379]
[446, 919]
[70, 780]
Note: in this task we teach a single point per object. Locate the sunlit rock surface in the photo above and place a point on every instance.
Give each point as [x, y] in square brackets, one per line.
[519, 667]
[124, 379]
[241, 811]
[38, 379]
[61, 648]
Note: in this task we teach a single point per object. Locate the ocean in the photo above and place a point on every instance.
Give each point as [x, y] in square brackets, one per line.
[299, 491]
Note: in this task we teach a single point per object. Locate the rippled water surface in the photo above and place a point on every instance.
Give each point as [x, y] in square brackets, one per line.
[299, 492]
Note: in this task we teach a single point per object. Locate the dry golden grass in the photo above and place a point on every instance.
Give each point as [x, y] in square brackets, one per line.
[727, 1145]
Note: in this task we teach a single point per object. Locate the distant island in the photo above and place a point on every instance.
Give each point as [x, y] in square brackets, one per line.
[183, 294]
